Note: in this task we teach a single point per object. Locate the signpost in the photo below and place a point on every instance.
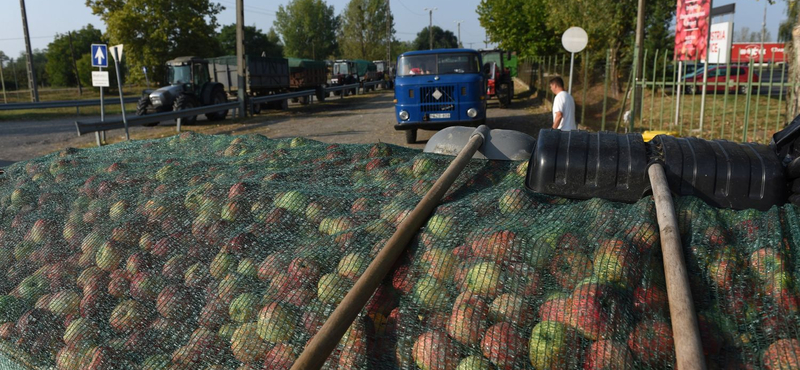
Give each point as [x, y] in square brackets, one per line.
[100, 59]
[116, 52]
[574, 40]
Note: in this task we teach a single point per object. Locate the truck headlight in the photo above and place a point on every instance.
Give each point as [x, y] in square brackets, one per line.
[403, 115]
[472, 112]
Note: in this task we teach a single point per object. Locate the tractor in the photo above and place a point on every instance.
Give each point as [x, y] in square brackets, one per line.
[189, 86]
[499, 83]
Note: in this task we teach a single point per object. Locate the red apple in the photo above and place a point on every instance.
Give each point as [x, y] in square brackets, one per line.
[434, 350]
[652, 344]
[503, 346]
[782, 354]
[608, 355]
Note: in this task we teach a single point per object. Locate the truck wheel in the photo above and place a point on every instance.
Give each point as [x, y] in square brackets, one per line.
[141, 109]
[411, 136]
[184, 102]
[218, 98]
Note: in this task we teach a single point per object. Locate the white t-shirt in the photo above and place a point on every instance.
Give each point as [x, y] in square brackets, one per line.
[566, 105]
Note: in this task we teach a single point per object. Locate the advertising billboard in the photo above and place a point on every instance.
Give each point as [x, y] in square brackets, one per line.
[746, 51]
[719, 43]
[691, 29]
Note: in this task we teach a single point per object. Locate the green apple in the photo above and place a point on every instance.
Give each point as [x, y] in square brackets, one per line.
[431, 294]
[65, 302]
[550, 345]
[276, 323]
[222, 264]
[485, 279]
[353, 265]
[293, 201]
[423, 167]
[243, 308]
[332, 288]
[440, 225]
[156, 362]
[246, 344]
[475, 363]
[32, 288]
[108, 257]
[247, 267]
[81, 331]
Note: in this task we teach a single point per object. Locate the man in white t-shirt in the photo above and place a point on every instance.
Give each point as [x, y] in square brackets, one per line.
[563, 106]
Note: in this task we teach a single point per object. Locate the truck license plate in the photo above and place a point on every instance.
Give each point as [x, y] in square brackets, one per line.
[440, 115]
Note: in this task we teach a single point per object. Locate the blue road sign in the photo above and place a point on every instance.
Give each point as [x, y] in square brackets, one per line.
[99, 55]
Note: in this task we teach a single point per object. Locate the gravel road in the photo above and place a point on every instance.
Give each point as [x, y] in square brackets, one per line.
[358, 119]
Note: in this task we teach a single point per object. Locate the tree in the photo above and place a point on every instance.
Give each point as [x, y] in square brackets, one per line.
[519, 25]
[441, 39]
[255, 42]
[308, 28]
[155, 31]
[59, 67]
[610, 24]
[363, 32]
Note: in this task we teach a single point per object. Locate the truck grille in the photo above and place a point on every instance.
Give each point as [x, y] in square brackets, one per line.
[445, 102]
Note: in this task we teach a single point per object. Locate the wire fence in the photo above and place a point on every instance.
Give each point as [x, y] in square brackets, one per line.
[736, 101]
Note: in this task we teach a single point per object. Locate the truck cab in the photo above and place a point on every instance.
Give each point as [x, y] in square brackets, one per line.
[385, 72]
[438, 88]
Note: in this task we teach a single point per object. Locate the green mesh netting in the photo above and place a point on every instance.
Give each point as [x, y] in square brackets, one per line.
[213, 252]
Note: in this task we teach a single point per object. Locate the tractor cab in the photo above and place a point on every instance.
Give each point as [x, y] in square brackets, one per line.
[345, 72]
[499, 83]
[191, 73]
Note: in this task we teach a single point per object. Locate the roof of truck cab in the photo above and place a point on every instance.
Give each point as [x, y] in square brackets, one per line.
[189, 59]
[438, 51]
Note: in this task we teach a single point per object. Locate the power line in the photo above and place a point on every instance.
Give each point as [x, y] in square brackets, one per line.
[409, 10]
[22, 38]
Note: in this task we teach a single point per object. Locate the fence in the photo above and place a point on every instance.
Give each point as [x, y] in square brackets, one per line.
[742, 102]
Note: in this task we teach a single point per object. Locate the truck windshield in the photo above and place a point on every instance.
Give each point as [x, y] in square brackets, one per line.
[340, 68]
[492, 57]
[180, 75]
[438, 64]
[380, 66]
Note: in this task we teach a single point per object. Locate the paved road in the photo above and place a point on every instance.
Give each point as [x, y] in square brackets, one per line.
[359, 119]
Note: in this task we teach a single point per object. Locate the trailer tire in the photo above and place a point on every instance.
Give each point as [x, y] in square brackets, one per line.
[218, 97]
[320, 93]
[504, 95]
[411, 136]
[304, 100]
[141, 109]
[184, 102]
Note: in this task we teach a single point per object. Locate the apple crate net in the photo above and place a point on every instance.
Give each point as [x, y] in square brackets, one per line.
[213, 252]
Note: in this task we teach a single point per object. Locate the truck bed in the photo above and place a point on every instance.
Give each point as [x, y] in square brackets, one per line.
[264, 74]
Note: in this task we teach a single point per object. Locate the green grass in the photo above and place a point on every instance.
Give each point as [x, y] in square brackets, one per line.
[724, 116]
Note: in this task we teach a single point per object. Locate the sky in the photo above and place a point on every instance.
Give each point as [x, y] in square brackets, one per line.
[49, 17]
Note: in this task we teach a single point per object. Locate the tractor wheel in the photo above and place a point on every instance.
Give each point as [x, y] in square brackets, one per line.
[184, 102]
[503, 95]
[219, 97]
[411, 136]
[141, 109]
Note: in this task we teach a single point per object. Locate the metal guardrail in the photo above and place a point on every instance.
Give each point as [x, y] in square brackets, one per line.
[342, 87]
[373, 83]
[97, 126]
[64, 104]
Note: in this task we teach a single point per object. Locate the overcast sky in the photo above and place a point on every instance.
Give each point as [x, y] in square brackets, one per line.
[48, 17]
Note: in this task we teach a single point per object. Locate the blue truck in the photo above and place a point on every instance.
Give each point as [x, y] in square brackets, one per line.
[439, 88]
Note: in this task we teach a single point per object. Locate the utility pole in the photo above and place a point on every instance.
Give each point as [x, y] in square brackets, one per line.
[240, 59]
[485, 39]
[29, 55]
[637, 62]
[14, 70]
[388, 35]
[430, 27]
[75, 65]
[458, 23]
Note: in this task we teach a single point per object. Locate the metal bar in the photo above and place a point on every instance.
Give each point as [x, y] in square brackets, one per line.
[780, 98]
[585, 85]
[88, 127]
[758, 100]
[644, 87]
[563, 64]
[735, 106]
[677, 100]
[663, 91]
[747, 102]
[277, 97]
[694, 83]
[653, 92]
[605, 90]
[61, 104]
[769, 98]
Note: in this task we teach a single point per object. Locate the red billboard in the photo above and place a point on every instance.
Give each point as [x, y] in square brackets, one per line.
[691, 29]
[744, 52]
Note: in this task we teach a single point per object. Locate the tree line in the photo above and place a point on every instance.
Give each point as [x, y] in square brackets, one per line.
[155, 31]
